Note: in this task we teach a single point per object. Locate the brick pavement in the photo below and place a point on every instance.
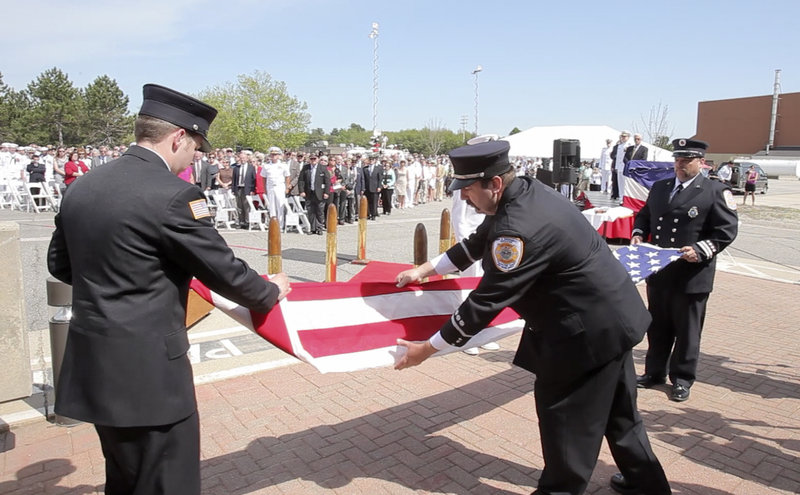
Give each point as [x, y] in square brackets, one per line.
[467, 425]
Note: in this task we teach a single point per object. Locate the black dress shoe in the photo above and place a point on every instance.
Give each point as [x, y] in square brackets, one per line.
[647, 381]
[679, 393]
[619, 484]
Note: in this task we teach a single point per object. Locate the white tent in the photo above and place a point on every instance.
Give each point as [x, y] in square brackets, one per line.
[538, 141]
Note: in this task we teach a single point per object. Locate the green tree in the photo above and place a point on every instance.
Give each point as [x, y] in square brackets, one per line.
[7, 111]
[16, 120]
[355, 135]
[515, 130]
[412, 140]
[107, 119]
[56, 109]
[257, 112]
[453, 140]
[315, 136]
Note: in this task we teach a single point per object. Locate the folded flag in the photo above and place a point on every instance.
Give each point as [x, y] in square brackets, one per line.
[350, 326]
[642, 260]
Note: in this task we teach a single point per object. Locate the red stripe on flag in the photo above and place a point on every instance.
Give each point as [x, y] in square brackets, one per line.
[272, 327]
[633, 203]
[343, 340]
[320, 291]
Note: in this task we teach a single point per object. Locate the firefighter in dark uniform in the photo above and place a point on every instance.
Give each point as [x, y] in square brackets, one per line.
[583, 316]
[129, 237]
[697, 216]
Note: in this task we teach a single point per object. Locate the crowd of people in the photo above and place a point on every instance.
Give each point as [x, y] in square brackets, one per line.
[395, 180]
[390, 180]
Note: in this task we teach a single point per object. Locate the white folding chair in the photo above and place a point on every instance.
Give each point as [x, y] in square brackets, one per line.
[21, 198]
[39, 197]
[227, 214]
[258, 217]
[212, 206]
[54, 190]
[6, 197]
[296, 216]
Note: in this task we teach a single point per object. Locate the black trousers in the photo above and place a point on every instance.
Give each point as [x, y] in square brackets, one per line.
[316, 212]
[152, 460]
[674, 334]
[242, 206]
[574, 418]
[386, 200]
[615, 184]
[372, 204]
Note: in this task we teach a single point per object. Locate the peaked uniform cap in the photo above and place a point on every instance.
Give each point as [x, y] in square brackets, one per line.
[478, 161]
[179, 109]
[689, 147]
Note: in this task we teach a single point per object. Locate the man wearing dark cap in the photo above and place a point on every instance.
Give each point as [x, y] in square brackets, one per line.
[129, 238]
[539, 255]
[697, 216]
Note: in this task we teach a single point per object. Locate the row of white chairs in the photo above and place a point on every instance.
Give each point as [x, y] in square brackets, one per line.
[35, 197]
[222, 204]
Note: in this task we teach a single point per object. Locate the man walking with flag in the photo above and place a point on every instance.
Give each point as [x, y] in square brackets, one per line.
[540, 255]
[697, 217]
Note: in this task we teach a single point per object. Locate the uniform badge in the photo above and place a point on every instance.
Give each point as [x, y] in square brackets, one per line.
[507, 253]
[693, 212]
[682, 142]
[728, 195]
[199, 209]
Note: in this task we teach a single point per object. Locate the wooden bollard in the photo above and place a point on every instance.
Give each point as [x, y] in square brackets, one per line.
[444, 231]
[362, 232]
[274, 260]
[420, 245]
[330, 244]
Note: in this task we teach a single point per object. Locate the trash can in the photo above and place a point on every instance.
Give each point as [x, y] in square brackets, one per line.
[59, 297]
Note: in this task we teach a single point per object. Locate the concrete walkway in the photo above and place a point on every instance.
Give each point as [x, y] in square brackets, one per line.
[466, 425]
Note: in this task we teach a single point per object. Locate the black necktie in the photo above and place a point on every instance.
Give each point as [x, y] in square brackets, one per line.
[676, 192]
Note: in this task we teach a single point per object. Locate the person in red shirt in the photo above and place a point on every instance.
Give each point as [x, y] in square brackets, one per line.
[74, 168]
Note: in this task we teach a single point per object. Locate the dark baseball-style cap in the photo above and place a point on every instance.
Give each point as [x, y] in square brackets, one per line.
[179, 109]
[478, 161]
[690, 148]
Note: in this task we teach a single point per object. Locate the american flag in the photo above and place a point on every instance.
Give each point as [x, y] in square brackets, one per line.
[349, 326]
[642, 260]
[639, 179]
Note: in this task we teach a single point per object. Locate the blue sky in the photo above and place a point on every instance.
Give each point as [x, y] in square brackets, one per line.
[544, 63]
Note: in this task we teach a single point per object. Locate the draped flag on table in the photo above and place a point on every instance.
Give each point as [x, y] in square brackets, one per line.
[349, 326]
[642, 260]
[639, 178]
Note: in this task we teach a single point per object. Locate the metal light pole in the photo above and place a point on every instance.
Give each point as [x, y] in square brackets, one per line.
[374, 37]
[475, 73]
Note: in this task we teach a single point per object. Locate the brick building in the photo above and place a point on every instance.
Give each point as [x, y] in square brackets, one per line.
[740, 126]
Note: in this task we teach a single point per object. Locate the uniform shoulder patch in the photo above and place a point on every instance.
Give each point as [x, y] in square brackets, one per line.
[507, 253]
[728, 195]
[199, 209]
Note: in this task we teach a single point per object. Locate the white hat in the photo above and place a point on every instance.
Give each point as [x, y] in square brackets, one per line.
[275, 150]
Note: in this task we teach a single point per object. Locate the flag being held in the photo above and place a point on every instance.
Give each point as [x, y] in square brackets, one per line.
[642, 260]
[349, 326]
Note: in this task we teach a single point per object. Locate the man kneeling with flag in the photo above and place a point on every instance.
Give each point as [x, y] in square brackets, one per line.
[583, 316]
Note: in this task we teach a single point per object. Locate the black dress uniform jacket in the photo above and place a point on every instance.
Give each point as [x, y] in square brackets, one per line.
[129, 241]
[580, 306]
[322, 182]
[699, 217]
